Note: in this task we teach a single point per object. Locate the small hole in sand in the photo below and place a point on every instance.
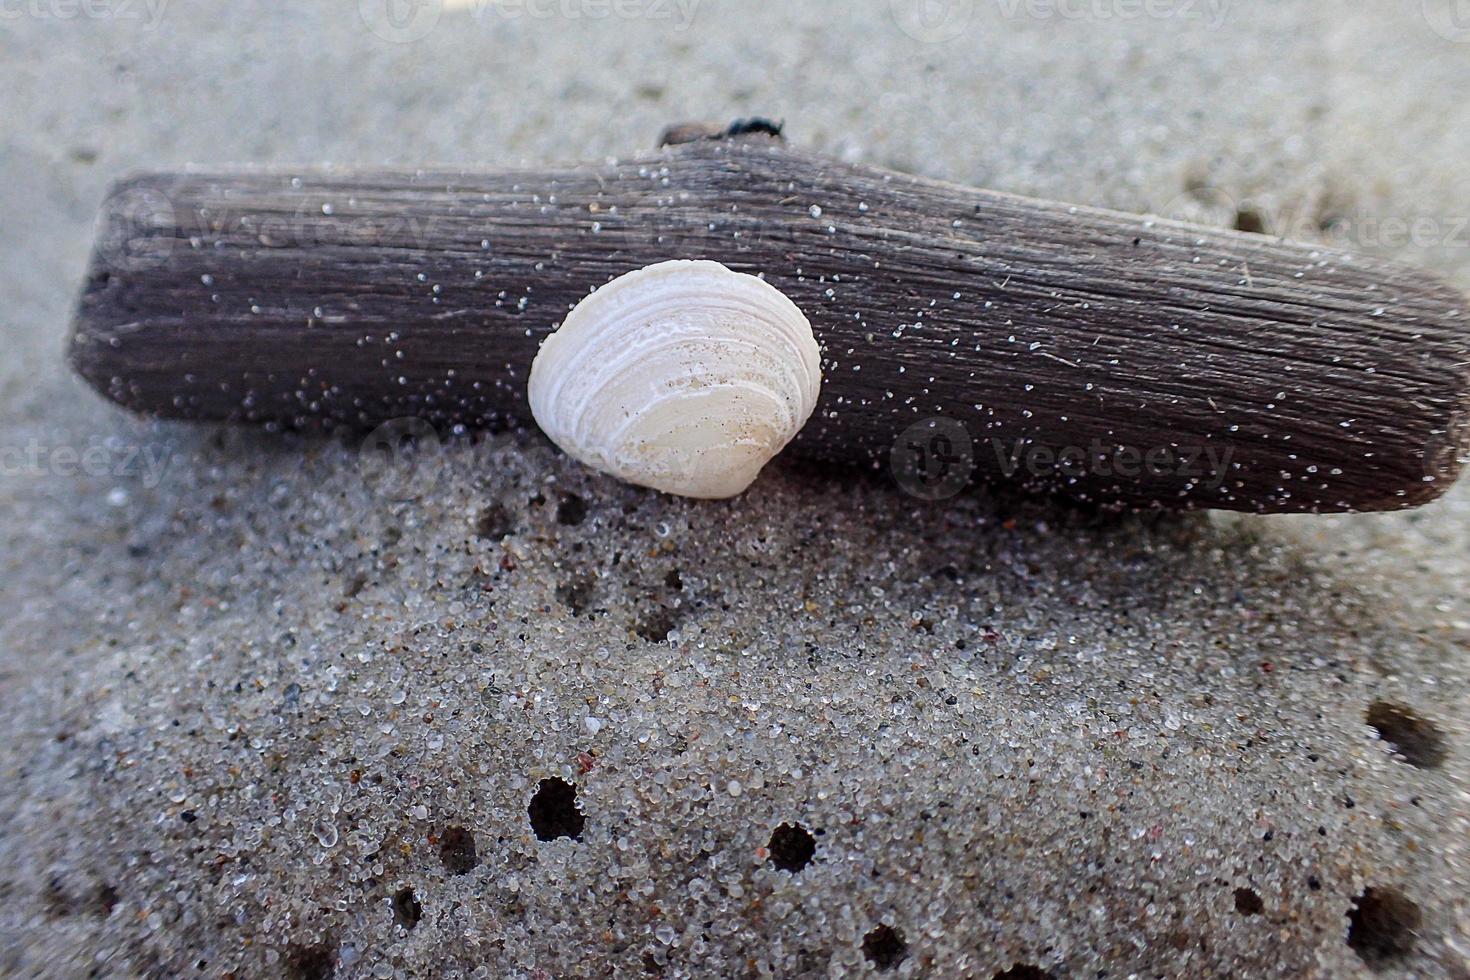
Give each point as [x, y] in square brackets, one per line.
[884, 947]
[1381, 926]
[1415, 738]
[576, 594]
[107, 898]
[571, 511]
[554, 811]
[657, 624]
[1023, 971]
[494, 523]
[406, 908]
[309, 962]
[457, 850]
[1247, 902]
[792, 847]
[1249, 219]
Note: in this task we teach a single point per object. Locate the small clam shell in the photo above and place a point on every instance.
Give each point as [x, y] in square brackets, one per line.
[683, 376]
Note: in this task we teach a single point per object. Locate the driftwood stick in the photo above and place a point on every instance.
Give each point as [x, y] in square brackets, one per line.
[1110, 357]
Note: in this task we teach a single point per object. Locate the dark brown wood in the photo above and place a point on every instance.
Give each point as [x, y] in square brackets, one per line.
[1259, 374]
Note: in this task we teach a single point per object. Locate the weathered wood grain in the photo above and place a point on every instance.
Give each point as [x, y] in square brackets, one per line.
[1313, 379]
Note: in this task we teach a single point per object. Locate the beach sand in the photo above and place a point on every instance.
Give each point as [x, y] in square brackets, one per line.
[260, 718]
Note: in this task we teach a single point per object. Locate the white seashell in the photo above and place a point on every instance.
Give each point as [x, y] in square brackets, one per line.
[683, 376]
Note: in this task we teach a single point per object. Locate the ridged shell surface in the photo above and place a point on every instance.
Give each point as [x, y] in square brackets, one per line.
[683, 376]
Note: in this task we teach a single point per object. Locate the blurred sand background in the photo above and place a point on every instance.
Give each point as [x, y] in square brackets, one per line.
[243, 699]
